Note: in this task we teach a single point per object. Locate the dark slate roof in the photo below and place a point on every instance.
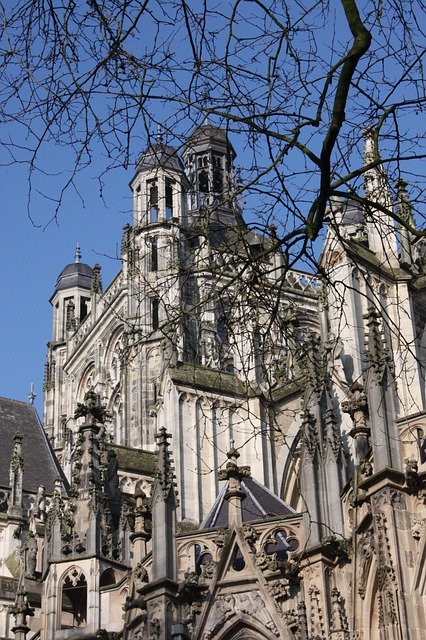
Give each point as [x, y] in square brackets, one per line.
[207, 135]
[352, 213]
[260, 504]
[76, 274]
[160, 155]
[40, 465]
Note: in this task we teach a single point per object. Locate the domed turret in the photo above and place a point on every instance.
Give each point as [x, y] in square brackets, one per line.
[72, 296]
[158, 184]
[209, 158]
[159, 155]
[76, 274]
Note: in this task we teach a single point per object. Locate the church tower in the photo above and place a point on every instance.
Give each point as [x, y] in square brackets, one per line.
[151, 268]
[71, 302]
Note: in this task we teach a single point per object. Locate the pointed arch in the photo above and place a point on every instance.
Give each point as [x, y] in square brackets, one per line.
[73, 599]
[87, 381]
[245, 627]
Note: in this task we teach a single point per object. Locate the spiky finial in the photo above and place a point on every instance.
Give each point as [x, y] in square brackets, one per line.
[97, 280]
[159, 137]
[32, 395]
[165, 470]
[20, 610]
[377, 355]
[77, 256]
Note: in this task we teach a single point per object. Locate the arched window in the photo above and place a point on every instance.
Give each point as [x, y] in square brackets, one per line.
[169, 198]
[155, 313]
[74, 600]
[154, 255]
[152, 189]
[107, 578]
[203, 182]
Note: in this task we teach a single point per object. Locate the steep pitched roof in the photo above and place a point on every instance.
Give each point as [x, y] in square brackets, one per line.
[260, 503]
[40, 464]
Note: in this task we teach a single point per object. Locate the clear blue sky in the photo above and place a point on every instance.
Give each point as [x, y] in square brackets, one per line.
[32, 257]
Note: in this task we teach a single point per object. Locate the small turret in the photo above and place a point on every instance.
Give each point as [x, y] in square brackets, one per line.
[380, 228]
[209, 158]
[72, 296]
[158, 185]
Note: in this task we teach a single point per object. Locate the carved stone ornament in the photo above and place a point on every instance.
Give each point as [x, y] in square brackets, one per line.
[248, 603]
[91, 409]
[310, 433]
[412, 479]
[250, 536]
[365, 549]
[221, 538]
[279, 589]
[140, 574]
[190, 589]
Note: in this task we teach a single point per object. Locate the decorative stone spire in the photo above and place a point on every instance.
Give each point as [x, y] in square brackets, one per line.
[377, 356]
[165, 470]
[20, 611]
[97, 280]
[357, 407]
[339, 627]
[380, 227]
[159, 136]
[77, 255]
[164, 504]
[142, 528]
[234, 495]
[16, 476]
[380, 388]
[31, 396]
[88, 521]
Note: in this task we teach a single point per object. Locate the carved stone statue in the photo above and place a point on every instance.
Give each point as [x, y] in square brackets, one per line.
[38, 510]
[112, 491]
[111, 475]
[91, 408]
[30, 556]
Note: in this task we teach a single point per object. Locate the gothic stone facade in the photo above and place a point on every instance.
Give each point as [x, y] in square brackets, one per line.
[286, 416]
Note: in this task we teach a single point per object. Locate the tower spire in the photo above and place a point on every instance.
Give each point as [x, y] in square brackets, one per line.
[234, 474]
[380, 227]
[159, 137]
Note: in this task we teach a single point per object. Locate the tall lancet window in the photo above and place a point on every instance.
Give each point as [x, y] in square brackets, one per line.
[152, 189]
[155, 313]
[154, 255]
[217, 174]
[203, 181]
[169, 199]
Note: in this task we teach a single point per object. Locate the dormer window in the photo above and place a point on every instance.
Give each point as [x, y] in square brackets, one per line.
[152, 190]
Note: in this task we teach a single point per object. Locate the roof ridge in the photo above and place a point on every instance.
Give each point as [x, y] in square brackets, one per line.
[15, 400]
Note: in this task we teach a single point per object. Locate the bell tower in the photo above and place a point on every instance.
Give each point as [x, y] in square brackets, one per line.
[209, 158]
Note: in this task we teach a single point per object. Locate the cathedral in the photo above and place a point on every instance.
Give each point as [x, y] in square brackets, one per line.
[231, 448]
